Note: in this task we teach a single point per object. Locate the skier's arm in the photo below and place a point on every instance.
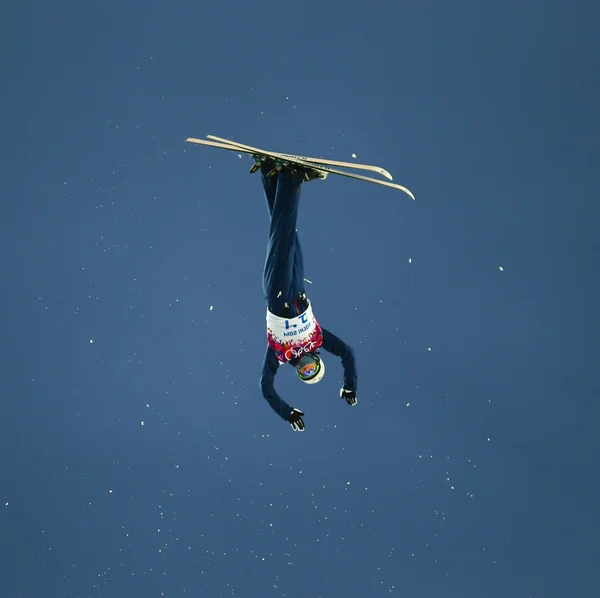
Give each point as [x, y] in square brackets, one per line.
[338, 347]
[267, 378]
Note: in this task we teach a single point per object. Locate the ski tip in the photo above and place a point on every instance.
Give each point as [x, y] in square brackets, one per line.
[407, 191]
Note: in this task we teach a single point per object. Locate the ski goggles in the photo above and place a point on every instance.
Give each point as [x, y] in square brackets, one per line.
[308, 366]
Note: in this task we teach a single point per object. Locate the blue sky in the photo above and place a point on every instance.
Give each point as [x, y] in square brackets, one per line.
[138, 456]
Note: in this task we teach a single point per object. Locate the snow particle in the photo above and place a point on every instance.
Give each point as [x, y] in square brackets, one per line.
[354, 155]
[211, 308]
[501, 268]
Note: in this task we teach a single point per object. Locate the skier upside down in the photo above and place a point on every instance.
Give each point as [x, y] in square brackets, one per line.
[294, 336]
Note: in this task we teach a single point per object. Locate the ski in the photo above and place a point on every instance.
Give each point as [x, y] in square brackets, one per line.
[354, 165]
[247, 149]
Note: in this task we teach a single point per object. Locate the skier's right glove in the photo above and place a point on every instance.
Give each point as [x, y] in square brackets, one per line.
[349, 395]
[295, 418]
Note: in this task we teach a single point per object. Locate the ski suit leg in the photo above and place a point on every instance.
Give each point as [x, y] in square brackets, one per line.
[283, 276]
[269, 185]
[270, 188]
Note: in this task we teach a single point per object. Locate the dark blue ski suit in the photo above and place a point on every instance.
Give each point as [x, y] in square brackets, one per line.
[283, 280]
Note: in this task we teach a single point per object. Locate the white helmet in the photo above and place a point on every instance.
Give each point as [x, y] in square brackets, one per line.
[310, 368]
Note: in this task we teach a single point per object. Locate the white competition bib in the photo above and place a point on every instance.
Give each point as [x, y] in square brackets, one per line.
[292, 337]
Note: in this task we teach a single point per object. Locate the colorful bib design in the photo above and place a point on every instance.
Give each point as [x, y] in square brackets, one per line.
[292, 337]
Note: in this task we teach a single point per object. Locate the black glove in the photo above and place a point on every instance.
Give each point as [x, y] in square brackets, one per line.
[295, 418]
[349, 395]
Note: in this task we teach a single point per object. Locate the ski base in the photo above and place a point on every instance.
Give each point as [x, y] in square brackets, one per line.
[323, 161]
[311, 164]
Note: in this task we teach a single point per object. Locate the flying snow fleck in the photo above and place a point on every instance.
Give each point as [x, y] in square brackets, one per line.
[501, 268]
[91, 341]
[354, 155]
[211, 308]
[410, 260]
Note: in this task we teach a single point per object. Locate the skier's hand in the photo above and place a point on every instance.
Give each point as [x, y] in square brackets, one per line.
[295, 418]
[349, 395]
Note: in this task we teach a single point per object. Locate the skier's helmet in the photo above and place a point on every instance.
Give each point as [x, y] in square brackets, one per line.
[310, 368]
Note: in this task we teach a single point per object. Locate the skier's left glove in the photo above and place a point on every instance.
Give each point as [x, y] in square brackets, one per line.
[349, 395]
[295, 419]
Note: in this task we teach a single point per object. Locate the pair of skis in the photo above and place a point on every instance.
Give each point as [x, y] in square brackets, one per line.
[318, 164]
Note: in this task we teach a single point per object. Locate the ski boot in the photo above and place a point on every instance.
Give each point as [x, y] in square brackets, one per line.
[268, 165]
[311, 175]
[274, 166]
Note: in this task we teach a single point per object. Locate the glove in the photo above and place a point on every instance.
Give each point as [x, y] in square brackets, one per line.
[295, 418]
[349, 395]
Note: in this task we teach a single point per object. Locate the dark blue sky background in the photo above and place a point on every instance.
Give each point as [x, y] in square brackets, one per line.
[137, 455]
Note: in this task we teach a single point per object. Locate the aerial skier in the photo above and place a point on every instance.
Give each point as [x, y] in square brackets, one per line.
[294, 336]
